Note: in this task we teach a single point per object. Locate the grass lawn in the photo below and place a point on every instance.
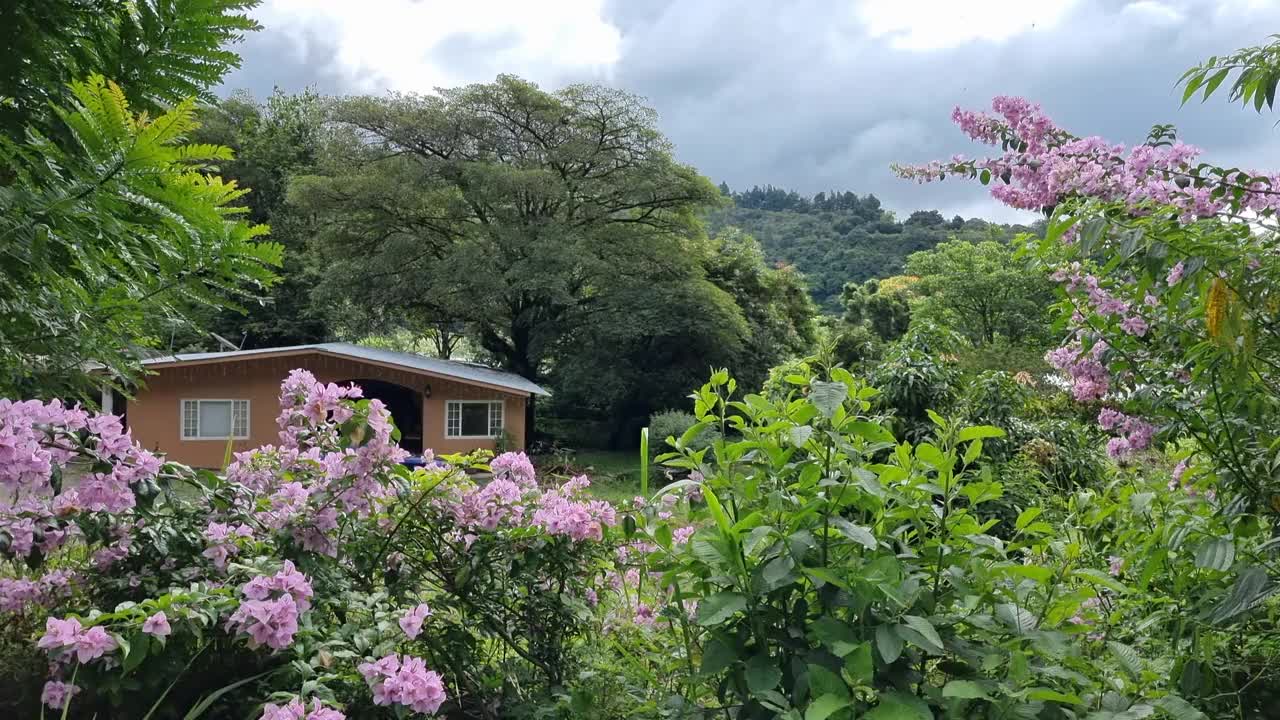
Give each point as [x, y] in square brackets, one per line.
[615, 474]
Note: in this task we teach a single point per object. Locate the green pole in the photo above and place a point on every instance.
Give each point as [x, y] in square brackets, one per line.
[644, 462]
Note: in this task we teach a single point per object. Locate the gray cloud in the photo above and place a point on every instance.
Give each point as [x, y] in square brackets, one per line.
[796, 93]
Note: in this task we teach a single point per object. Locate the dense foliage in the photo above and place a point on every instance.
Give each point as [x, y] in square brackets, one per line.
[109, 219]
[837, 238]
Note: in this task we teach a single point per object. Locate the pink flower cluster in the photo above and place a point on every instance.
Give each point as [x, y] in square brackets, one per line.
[296, 710]
[18, 593]
[404, 680]
[513, 500]
[1103, 302]
[318, 472]
[269, 613]
[1044, 164]
[1089, 377]
[222, 541]
[56, 694]
[38, 439]
[564, 512]
[64, 639]
[1133, 434]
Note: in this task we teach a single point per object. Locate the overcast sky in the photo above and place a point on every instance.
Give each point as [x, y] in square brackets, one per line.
[805, 94]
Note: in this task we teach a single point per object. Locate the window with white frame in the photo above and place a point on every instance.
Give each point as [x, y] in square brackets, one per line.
[473, 418]
[215, 419]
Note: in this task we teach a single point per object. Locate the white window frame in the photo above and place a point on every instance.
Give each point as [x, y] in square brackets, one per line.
[494, 430]
[182, 419]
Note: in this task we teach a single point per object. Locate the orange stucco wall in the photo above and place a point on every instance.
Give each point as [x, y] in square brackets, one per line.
[155, 413]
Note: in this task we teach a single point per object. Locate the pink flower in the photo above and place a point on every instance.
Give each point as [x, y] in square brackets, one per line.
[1116, 565]
[94, 643]
[411, 623]
[1175, 274]
[59, 633]
[157, 625]
[404, 680]
[56, 694]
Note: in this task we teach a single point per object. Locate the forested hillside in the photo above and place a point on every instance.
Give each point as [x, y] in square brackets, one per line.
[840, 237]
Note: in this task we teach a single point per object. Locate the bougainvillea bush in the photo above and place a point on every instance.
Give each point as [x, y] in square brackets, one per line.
[318, 579]
[1168, 270]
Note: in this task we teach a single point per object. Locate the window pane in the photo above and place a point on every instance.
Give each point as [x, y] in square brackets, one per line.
[475, 419]
[241, 420]
[495, 418]
[215, 419]
[189, 418]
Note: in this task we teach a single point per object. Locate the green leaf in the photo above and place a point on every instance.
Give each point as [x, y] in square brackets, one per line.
[827, 397]
[1179, 709]
[979, 432]
[138, 647]
[856, 533]
[212, 697]
[927, 631]
[888, 643]
[717, 608]
[717, 511]
[966, 689]
[1251, 587]
[899, 706]
[800, 434]
[825, 706]
[1216, 554]
[1048, 695]
[717, 656]
[1027, 516]
[860, 665]
[1016, 617]
[762, 673]
[778, 572]
[1128, 657]
[1214, 82]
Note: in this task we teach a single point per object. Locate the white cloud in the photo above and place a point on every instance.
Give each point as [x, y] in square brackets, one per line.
[940, 24]
[1155, 12]
[388, 44]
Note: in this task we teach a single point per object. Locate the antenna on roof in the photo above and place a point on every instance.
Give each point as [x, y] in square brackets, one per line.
[225, 343]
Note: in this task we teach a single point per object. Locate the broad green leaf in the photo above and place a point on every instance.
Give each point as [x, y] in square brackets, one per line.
[856, 533]
[717, 511]
[825, 706]
[1128, 657]
[966, 689]
[927, 631]
[888, 643]
[717, 656]
[1251, 587]
[1027, 516]
[717, 608]
[1016, 617]
[979, 432]
[1179, 709]
[860, 665]
[1216, 553]
[899, 706]
[800, 434]
[762, 673]
[1049, 695]
[778, 572]
[139, 645]
[827, 396]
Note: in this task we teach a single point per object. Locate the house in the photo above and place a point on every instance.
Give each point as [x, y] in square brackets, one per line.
[192, 404]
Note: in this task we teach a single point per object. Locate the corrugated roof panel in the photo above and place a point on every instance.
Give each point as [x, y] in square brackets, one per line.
[448, 368]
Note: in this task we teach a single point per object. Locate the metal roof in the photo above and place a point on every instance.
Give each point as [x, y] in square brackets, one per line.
[464, 371]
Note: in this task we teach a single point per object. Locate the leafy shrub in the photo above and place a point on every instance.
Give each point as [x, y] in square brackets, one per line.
[913, 381]
[670, 424]
[832, 572]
